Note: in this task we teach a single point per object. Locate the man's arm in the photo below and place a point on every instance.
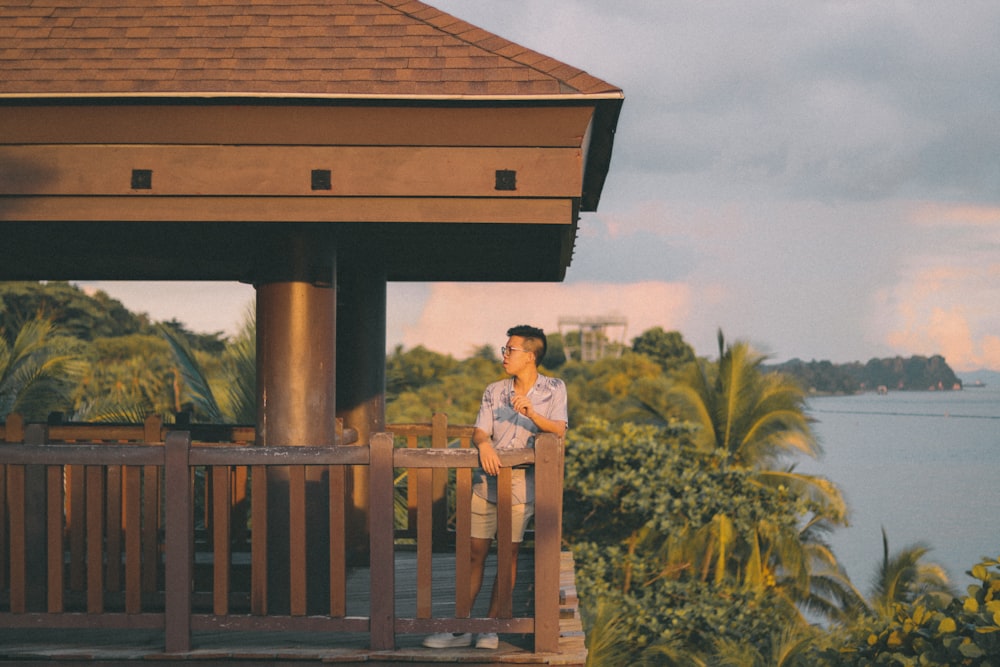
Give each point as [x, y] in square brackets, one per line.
[546, 425]
[489, 461]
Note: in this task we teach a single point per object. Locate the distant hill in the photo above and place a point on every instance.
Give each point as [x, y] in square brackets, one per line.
[915, 373]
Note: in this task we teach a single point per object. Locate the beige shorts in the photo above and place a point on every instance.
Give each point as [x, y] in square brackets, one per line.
[484, 518]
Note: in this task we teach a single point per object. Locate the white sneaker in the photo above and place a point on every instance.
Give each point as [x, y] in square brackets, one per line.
[488, 640]
[448, 640]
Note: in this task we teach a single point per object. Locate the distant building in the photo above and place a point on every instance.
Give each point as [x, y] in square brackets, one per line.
[594, 336]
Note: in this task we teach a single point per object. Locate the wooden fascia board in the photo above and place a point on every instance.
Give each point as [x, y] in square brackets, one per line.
[396, 210]
[292, 171]
[295, 125]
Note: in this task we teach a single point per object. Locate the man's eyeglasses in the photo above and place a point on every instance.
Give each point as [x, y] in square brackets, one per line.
[506, 350]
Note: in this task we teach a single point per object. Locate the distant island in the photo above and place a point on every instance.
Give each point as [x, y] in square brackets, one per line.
[916, 373]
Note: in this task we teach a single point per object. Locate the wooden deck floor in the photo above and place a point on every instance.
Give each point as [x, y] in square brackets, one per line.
[41, 646]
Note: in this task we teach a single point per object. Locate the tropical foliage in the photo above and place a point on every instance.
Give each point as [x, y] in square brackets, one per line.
[696, 540]
[94, 360]
[38, 369]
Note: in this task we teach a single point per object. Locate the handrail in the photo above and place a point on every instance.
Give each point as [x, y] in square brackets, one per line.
[103, 484]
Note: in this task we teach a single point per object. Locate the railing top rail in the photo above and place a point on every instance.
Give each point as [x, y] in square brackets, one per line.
[12, 426]
[426, 429]
[91, 453]
[81, 454]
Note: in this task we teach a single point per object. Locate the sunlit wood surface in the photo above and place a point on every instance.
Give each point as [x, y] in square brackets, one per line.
[119, 648]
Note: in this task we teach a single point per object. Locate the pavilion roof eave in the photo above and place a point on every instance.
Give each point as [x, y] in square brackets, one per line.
[562, 97]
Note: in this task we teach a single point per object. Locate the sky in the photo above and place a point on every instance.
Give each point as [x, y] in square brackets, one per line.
[821, 179]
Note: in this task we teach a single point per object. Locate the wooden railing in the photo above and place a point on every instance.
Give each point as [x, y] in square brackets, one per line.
[102, 531]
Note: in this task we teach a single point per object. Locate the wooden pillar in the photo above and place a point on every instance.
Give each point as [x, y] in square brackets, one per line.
[296, 402]
[361, 338]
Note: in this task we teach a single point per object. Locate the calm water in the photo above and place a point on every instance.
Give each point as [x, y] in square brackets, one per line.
[925, 465]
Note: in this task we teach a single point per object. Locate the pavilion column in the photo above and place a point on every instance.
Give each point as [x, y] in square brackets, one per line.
[361, 340]
[296, 404]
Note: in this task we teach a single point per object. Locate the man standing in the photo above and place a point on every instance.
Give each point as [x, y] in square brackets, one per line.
[512, 412]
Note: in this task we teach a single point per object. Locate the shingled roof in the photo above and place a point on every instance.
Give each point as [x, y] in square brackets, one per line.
[281, 48]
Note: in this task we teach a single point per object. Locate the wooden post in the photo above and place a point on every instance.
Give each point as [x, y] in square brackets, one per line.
[296, 399]
[383, 578]
[548, 538]
[179, 542]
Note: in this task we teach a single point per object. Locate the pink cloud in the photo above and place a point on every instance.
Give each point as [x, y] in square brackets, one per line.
[947, 332]
[458, 317]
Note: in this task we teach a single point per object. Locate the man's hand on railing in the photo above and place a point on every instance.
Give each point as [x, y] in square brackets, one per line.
[488, 459]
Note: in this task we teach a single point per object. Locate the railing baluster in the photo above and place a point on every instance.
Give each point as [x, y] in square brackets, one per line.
[382, 616]
[18, 564]
[4, 536]
[13, 431]
[94, 476]
[463, 542]
[150, 527]
[179, 543]
[220, 539]
[75, 519]
[113, 571]
[424, 482]
[338, 541]
[133, 539]
[439, 440]
[297, 539]
[54, 521]
[412, 442]
[35, 532]
[505, 545]
[258, 541]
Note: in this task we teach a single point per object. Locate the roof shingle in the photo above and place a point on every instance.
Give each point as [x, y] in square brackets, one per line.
[337, 48]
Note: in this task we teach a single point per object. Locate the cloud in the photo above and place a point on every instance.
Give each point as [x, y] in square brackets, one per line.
[459, 317]
[947, 332]
[817, 178]
[945, 295]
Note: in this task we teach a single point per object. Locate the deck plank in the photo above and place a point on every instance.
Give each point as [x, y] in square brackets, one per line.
[218, 648]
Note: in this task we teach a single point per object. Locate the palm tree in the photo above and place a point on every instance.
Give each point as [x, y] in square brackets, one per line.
[752, 416]
[905, 577]
[38, 369]
[752, 419]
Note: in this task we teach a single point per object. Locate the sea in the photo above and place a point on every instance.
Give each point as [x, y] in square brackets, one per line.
[922, 465]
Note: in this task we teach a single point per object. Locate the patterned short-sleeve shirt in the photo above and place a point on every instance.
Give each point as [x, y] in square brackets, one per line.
[510, 429]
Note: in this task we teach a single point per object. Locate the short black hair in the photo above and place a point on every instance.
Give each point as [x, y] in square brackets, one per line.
[530, 333]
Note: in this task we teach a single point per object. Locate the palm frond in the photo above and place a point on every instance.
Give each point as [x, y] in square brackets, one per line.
[198, 388]
[607, 644]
